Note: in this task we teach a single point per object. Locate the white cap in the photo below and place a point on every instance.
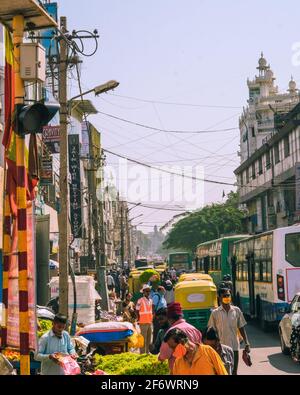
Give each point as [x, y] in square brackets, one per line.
[145, 286]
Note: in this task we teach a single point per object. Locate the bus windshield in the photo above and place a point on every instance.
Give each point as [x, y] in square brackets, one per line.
[292, 249]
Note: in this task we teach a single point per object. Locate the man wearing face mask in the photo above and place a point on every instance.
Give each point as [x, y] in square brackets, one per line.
[193, 358]
[229, 321]
[176, 320]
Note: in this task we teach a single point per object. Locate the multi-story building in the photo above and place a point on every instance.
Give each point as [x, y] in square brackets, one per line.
[269, 150]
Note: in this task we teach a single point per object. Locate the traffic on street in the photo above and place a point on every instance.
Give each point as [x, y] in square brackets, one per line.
[149, 191]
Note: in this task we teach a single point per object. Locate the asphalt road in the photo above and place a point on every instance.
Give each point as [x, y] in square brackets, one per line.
[266, 355]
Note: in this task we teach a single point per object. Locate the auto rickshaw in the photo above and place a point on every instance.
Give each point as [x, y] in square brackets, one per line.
[197, 299]
[134, 285]
[161, 267]
[194, 276]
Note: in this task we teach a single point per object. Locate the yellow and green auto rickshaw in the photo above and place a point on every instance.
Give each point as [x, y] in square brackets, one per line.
[194, 276]
[197, 299]
[134, 285]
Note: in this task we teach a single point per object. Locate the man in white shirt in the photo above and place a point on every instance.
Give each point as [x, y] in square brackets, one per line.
[229, 321]
[110, 282]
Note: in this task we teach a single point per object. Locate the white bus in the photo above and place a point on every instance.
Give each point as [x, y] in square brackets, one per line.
[266, 273]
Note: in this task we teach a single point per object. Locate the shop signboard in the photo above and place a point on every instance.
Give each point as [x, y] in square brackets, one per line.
[46, 176]
[75, 187]
[85, 146]
[51, 139]
[297, 177]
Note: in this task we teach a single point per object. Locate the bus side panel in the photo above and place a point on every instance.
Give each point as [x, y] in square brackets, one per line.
[225, 269]
[273, 312]
[242, 291]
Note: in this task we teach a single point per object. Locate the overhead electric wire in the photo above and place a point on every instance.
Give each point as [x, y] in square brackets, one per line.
[173, 103]
[181, 175]
[160, 208]
[164, 130]
[167, 171]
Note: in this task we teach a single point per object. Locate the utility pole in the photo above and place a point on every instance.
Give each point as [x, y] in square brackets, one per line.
[63, 217]
[128, 239]
[122, 235]
[99, 234]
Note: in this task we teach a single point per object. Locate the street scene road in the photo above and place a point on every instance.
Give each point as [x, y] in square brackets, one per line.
[149, 187]
[266, 355]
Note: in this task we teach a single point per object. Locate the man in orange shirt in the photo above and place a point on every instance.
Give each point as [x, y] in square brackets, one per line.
[144, 310]
[192, 358]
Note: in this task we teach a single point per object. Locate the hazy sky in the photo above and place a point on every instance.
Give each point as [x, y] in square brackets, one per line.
[192, 52]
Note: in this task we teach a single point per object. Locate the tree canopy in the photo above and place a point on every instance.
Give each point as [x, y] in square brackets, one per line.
[209, 223]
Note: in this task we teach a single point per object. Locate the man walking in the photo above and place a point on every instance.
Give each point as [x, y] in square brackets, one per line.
[55, 341]
[176, 321]
[162, 317]
[159, 302]
[211, 338]
[193, 358]
[110, 282]
[228, 321]
[144, 311]
[123, 285]
[169, 296]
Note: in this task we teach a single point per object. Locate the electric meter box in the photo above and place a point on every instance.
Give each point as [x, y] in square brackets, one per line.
[33, 62]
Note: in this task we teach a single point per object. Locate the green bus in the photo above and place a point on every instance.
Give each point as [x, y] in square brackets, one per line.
[180, 261]
[214, 257]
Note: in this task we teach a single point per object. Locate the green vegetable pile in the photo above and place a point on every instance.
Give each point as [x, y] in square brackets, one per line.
[45, 326]
[131, 364]
[147, 274]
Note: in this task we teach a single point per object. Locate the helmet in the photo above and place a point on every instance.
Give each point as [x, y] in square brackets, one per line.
[227, 277]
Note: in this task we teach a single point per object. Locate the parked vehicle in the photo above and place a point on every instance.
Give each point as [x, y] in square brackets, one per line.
[286, 324]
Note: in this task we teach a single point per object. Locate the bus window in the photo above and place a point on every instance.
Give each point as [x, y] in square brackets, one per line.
[257, 271]
[239, 271]
[292, 249]
[264, 271]
[245, 271]
[269, 271]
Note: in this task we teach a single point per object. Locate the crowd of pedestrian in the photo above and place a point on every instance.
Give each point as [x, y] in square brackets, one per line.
[166, 333]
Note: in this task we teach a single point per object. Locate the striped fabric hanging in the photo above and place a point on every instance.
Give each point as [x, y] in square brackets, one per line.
[18, 227]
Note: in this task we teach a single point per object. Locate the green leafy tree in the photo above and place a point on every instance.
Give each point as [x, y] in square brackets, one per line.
[209, 223]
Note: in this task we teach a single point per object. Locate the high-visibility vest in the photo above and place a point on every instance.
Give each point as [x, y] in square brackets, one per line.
[146, 315]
